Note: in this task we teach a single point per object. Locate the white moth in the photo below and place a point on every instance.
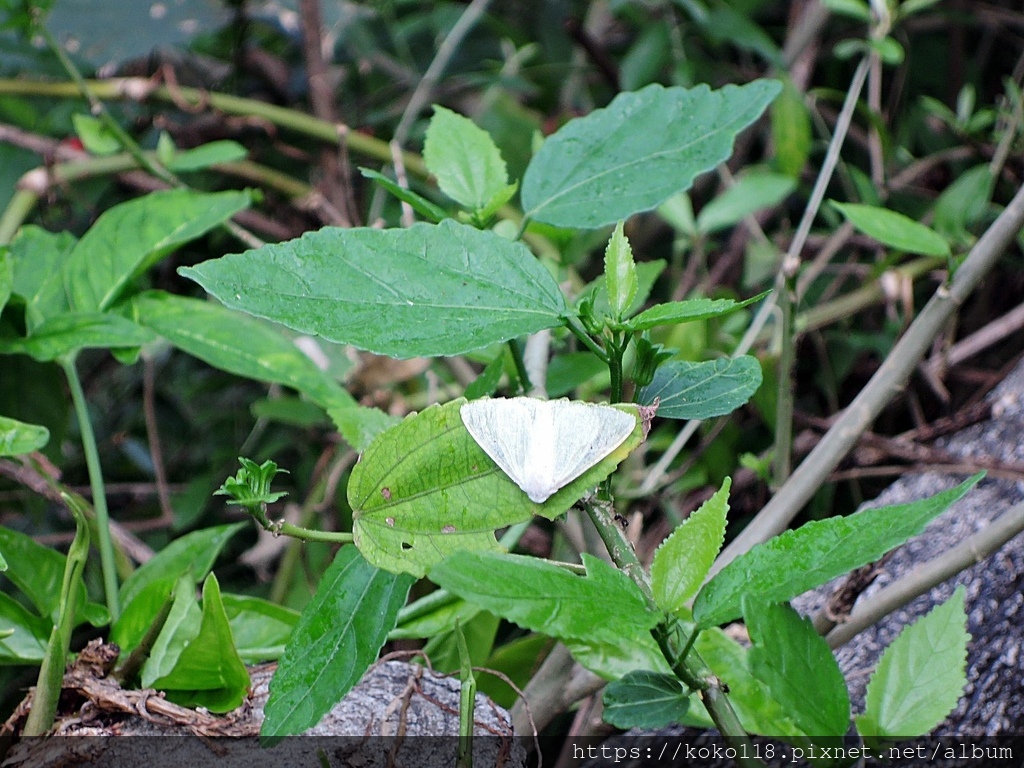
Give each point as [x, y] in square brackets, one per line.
[543, 445]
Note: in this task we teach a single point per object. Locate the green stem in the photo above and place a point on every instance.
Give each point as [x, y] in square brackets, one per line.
[784, 399]
[520, 364]
[309, 534]
[99, 494]
[573, 324]
[51, 672]
[18, 208]
[689, 667]
[616, 350]
[99, 110]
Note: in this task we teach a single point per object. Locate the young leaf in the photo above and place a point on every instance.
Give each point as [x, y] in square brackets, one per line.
[66, 334]
[17, 437]
[685, 557]
[606, 166]
[798, 667]
[208, 672]
[920, 677]
[420, 204]
[204, 156]
[424, 489]
[676, 312]
[791, 131]
[338, 636]
[464, 159]
[94, 134]
[824, 549]
[964, 202]
[597, 292]
[702, 390]
[894, 229]
[645, 700]
[535, 594]
[422, 291]
[619, 273]
[195, 552]
[131, 237]
[179, 630]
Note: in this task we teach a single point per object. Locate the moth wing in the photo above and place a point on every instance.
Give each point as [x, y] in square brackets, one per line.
[585, 434]
[502, 428]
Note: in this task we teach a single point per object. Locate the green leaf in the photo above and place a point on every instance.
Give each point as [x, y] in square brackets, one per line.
[130, 238]
[685, 557]
[894, 229]
[208, 672]
[619, 273]
[260, 628]
[855, 9]
[6, 276]
[645, 700]
[752, 192]
[39, 258]
[535, 594]
[179, 630]
[568, 371]
[824, 549]
[422, 291]
[646, 273]
[605, 167]
[964, 203]
[137, 617]
[38, 572]
[27, 644]
[421, 205]
[236, 343]
[487, 382]
[791, 131]
[464, 159]
[95, 135]
[359, 424]
[702, 390]
[798, 667]
[676, 312]
[195, 552]
[17, 437]
[431, 615]
[338, 636]
[921, 675]
[424, 489]
[611, 660]
[204, 156]
[66, 334]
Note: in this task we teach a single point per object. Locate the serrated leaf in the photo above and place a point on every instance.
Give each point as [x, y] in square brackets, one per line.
[244, 346]
[66, 334]
[464, 159]
[424, 489]
[646, 273]
[645, 700]
[208, 672]
[702, 390]
[606, 166]
[894, 229]
[611, 660]
[422, 291]
[619, 273]
[824, 549]
[17, 437]
[921, 675]
[131, 237]
[685, 557]
[204, 156]
[535, 594]
[798, 667]
[337, 637]
[752, 192]
[418, 203]
[675, 312]
[195, 552]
